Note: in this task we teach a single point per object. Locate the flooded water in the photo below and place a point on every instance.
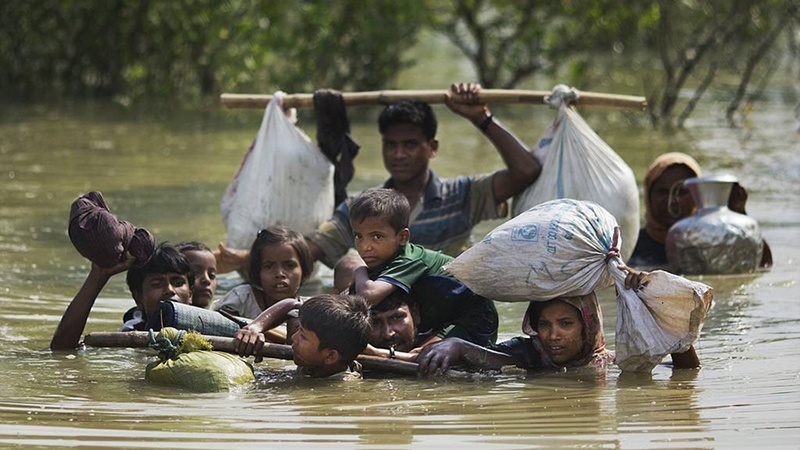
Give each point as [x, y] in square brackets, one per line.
[166, 171]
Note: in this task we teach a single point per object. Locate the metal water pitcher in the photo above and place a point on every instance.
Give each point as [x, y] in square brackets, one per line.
[715, 240]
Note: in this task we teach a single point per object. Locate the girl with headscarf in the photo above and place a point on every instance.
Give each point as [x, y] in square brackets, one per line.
[562, 332]
[667, 201]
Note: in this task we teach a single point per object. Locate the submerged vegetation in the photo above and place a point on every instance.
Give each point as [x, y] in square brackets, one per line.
[194, 49]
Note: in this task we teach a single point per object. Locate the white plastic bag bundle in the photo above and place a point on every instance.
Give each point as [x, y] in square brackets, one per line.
[568, 248]
[578, 164]
[557, 248]
[284, 179]
[665, 315]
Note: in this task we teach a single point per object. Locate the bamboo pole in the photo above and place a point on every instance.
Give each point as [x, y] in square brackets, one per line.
[491, 96]
[141, 339]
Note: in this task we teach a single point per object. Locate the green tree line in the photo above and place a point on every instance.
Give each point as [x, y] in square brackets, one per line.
[194, 49]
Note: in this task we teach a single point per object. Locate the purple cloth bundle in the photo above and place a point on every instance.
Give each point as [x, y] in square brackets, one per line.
[102, 238]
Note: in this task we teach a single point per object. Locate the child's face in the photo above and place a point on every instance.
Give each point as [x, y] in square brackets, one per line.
[376, 241]
[163, 286]
[204, 268]
[281, 273]
[561, 331]
[305, 347]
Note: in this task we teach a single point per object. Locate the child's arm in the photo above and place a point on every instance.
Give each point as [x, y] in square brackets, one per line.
[68, 332]
[250, 339]
[372, 291]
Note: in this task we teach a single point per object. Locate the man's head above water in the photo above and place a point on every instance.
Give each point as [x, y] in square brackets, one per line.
[394, 323]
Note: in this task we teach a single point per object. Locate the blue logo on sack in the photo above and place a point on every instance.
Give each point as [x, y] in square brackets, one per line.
[525, 233]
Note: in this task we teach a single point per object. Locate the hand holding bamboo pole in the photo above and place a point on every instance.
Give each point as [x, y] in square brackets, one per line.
[490, 96]
[141, 339]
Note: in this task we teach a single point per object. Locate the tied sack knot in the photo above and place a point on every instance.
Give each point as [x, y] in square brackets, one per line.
[613, 252]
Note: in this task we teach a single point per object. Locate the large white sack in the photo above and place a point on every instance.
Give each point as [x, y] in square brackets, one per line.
[557, 248]
[665, 315]
[284, 179]
[578, 164]
[570, 247]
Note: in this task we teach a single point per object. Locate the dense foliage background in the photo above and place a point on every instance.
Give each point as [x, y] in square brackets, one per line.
[195, 49]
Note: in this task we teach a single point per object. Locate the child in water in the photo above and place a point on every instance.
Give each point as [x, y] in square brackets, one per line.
[165, 276]
[391, 264]
[204, 268]
[280, 264]
[331, 330]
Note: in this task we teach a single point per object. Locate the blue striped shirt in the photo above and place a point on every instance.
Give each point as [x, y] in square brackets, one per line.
[450, 209]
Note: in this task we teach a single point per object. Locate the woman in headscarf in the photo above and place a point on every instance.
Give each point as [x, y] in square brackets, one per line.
[562, 332]
[667, 201]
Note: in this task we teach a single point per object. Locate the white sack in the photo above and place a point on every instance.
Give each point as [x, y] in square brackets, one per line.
[578, 164]
[665, 315]
[567, 248]
[554, 249]
[283, 180]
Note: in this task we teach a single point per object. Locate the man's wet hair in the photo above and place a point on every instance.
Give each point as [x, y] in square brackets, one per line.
[165, 259]
[382, 203]
[341, 322]
[393, 301]
[409, 112]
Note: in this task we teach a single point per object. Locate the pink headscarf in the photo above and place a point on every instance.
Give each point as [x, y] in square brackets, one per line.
[594, 342]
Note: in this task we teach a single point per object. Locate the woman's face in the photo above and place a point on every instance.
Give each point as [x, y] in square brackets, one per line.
[561, 331]
[668, 209]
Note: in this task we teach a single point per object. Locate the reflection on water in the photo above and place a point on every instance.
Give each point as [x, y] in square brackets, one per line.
[166, 172]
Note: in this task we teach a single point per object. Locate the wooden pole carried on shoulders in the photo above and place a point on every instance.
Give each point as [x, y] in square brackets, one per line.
[141, 339]
[490, 96]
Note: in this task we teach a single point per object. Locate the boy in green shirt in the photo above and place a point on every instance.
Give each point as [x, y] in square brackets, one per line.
[379, 218]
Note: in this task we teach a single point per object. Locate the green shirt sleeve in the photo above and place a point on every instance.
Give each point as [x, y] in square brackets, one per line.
[412, 264]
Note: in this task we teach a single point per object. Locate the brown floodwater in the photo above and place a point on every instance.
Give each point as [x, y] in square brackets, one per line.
[166, 170]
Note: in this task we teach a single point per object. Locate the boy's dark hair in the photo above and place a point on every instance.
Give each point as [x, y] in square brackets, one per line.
[341, 322]
[382, 203]
[165, 259]
[393, 301]
[187, 246]
[409, 112]
[279, 235]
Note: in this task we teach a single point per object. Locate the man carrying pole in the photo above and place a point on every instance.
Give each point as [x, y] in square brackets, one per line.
[444, 210]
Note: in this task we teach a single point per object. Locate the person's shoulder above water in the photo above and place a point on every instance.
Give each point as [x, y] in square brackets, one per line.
[563, 332]
[648, 252]
[134, 320]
